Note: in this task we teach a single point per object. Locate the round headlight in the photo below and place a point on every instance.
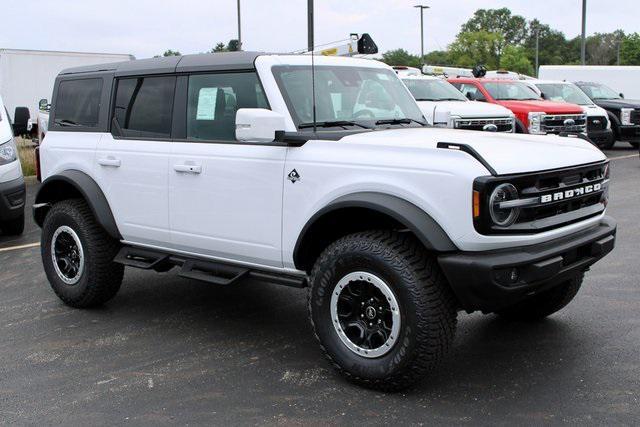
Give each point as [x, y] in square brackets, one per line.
[503, 216]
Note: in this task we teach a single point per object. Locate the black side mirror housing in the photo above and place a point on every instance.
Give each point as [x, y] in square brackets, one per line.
[542, 95]
[470, 96]
[21, 118]
[622, 95]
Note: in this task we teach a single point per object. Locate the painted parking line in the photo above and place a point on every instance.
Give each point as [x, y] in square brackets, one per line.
[15, 248]
[630, 156]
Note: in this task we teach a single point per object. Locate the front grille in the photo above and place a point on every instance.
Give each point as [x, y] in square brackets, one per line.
[503, 125]
[548, 199]
[564, 123]
[635, 117]
[596, 123]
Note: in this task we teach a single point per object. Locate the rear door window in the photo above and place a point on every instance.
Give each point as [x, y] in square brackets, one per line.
[143, 107]
[78, 103]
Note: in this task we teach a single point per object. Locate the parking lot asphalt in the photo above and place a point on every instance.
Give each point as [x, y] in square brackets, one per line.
[169, 350]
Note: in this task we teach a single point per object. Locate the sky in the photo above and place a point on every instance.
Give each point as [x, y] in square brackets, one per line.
[148, 27]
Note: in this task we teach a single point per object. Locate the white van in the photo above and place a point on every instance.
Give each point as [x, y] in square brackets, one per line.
[12, 188]
[445, 106]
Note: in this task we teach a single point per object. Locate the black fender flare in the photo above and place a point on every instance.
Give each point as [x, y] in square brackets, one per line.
[90, 191]
[419, 222]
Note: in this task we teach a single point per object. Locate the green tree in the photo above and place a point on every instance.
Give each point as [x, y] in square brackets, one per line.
[602, 48]
[220, 47]
[630, 50]
[169, 52]
[232, 46]
[514, 58]
[474, 48]
[511, 28]
[401, 57]
[554, 48]
[437, 57]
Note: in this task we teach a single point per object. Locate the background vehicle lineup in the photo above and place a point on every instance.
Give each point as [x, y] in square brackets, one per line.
[332, 180]
[624, 79]
[12, 188]
[534, 115]
[444, 106]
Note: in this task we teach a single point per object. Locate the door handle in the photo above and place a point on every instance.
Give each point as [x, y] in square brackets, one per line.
[195, 169]
[110, 161]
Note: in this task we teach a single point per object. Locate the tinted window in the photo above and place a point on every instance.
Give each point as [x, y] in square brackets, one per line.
[143, 106]
[78, 102]
[433, 90]
[471, 92]
[213, 102]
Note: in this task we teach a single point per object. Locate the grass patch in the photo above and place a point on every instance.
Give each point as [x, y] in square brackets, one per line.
[27, 154]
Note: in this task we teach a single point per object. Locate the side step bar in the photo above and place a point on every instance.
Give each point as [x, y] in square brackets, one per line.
[214, 272]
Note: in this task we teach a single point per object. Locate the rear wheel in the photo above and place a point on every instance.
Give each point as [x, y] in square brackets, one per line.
[13, 227]
[381, 309]
[546, 303]
[77, 255]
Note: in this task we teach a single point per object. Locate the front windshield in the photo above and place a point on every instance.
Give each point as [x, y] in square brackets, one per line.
[351, 96]
[510, 91]
[562, 92]
[598, 91]
[433, 90]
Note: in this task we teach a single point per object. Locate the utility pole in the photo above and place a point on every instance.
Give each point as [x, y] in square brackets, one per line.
[422, 8]
[310, 43]
[239, 29]
[537, 50]
[583, 50]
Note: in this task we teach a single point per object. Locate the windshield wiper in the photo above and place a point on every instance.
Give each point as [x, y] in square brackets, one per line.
[331, 124]
[66, 122]
[405, 120]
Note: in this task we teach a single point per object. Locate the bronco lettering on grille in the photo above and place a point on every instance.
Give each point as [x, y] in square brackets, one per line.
[568, 194]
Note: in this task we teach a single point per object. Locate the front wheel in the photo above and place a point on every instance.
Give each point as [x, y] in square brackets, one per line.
[381, 309]
[77, 255]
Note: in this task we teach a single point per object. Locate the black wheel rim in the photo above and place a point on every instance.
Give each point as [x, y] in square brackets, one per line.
[67, 255]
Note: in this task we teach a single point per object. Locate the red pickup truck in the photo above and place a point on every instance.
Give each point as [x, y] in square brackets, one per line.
[534, 115]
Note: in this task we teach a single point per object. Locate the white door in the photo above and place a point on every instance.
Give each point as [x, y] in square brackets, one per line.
[225, 197]
[132, 167]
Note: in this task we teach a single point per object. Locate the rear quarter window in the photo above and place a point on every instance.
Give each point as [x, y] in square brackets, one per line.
[78, 103]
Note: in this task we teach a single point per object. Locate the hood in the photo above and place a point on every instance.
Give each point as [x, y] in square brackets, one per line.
[618, 103]
[594, 111]
[464, 109]
[542, 106]
[506, 153]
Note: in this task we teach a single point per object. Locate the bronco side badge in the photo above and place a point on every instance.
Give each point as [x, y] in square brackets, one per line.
[293, 176]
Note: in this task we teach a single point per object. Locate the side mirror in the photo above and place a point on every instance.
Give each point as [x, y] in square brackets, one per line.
[21, 118]
[542, 95]
[43, 104]
[622, 95]
[471, 96]
[258, 125]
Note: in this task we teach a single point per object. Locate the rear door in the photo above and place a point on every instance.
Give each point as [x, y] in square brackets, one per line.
[131, 162]
[225, 197]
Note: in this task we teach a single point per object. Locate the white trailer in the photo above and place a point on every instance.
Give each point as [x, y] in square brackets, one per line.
[27, 76]
[621, 78]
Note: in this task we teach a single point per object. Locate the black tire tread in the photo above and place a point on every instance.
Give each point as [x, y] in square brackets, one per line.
[104, 276]
[437, 305]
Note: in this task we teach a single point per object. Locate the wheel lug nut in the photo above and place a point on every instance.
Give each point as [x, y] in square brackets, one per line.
[362, 315]
[370, 324]
[379, 321]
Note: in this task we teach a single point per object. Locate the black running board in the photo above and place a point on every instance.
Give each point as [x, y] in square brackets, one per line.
[214, 272]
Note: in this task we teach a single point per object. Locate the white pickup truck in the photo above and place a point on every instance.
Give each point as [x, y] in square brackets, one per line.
[445, 106]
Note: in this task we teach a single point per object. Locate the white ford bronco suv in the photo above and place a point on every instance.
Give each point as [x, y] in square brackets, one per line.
[314, 174]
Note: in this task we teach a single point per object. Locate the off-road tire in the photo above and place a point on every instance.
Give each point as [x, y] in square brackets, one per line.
[635, 144]
[545, 303]
[427, 305]
[101, 278]
[13, 227]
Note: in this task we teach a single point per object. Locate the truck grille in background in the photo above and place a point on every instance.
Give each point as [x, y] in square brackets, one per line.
[503, 125]
[596, 123]
[556, 123]
[635, 117]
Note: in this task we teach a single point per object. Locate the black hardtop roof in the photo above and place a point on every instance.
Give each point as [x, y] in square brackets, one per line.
[187, 63]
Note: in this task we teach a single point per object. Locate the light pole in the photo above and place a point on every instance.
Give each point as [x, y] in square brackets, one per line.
[310, 43]
[583, 50]
[239, 29]
[537, 50]
[422, 8]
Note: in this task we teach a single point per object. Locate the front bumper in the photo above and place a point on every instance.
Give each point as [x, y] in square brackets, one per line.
[12, 199]
[482, 280]
[601, 137]
[629, 133]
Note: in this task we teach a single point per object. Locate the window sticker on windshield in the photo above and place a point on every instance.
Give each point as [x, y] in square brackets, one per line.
[382, 76]
[207, 103]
